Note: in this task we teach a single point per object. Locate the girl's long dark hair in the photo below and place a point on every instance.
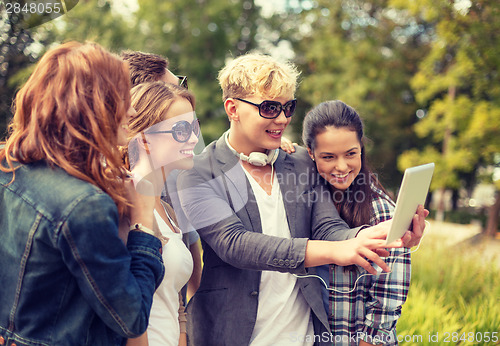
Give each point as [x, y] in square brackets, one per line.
[355, 203]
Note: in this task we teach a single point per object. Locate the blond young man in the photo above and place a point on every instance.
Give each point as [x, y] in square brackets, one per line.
[263, 216]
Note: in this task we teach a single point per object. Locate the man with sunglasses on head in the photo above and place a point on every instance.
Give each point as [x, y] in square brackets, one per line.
[262, 217]
[148, 67]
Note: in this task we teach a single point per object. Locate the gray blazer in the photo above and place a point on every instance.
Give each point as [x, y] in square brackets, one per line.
[218, 201]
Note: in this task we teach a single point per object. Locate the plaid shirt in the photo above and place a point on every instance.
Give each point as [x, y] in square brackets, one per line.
[371, 310]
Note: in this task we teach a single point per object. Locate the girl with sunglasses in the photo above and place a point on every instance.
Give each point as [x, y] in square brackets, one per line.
[163, 135]
[367, 307]
[67, 278]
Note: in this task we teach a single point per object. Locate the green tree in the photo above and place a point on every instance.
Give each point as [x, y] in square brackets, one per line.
[15, 39]
[91, 20]
[459, 83]
[21, 45]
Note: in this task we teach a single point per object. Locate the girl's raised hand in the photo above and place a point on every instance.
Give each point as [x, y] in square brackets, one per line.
[287, 145]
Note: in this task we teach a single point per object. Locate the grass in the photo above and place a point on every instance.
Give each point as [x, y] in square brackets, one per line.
[454, 298]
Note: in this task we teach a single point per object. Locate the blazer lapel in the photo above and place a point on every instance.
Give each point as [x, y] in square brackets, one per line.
[285, 169]
[238, 188]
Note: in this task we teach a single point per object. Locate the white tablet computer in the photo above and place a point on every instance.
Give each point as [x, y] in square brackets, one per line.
[413, 191]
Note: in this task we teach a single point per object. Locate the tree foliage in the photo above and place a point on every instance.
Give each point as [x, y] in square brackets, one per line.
[459, 83]
[15, 38]
[25, 38]
[91, 20]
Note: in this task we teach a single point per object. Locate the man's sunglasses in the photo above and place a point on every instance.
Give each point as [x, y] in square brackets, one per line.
[272, 109]
[183, 81]
[181, 130]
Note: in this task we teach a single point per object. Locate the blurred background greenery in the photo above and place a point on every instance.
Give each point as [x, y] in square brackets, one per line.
[424, 75]
[455, 290]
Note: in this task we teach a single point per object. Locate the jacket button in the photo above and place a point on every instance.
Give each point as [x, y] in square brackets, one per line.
[254, 293]
[287, 263]
[275, 261]
[281, 262]
[292, 263]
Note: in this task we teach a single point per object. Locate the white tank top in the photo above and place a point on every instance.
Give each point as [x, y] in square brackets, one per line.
[163, 329]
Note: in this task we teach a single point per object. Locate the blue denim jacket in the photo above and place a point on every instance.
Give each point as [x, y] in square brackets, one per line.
[65, 276]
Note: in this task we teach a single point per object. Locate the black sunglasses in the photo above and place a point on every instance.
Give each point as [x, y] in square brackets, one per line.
[183, 81]
[272, 109]
[181, 130]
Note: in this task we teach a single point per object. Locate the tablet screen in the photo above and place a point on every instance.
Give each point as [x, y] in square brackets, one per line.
[413, 191]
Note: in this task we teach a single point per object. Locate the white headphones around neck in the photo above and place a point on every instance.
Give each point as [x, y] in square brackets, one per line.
[255, 158]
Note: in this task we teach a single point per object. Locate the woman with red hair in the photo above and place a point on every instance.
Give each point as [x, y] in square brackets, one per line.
[67, 278]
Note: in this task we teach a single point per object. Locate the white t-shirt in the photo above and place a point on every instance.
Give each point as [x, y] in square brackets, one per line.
[283, 315]
[163, 329]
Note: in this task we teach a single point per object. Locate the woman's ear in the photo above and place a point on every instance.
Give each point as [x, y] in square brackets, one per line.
[231, 109]
[311, 154]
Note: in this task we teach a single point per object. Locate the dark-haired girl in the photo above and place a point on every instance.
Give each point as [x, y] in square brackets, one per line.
[361, 309]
